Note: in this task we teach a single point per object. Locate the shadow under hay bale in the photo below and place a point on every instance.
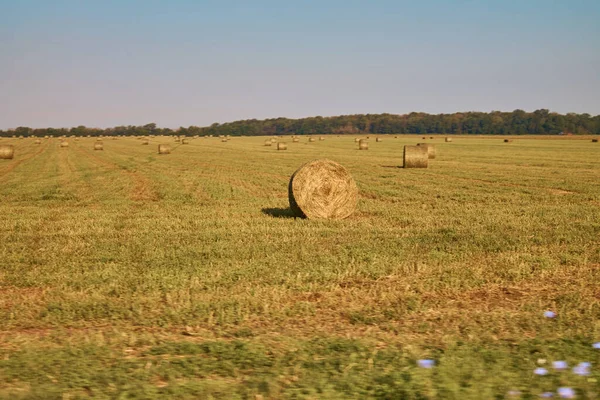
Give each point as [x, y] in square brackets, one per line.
[311, 139]
[430, 149]
[185, 141]
[7, 152]
[378, 139]
[594, 140]
[98, 146]
[448, 139]
[363, 144]
[415, 157]
[279, 212]
[322, 189]
[508, 140]
[281, 146]
[164, 149]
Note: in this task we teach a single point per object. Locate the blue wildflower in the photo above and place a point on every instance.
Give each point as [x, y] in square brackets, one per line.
[596, 345]
[560, 365]
[547, 395]
[540, 371]
[426, 363]
[582, 369]
[549, 314]
[566, 393]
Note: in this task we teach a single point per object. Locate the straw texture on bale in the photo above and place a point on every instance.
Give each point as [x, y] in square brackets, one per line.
[415, 157]
[7, 151]
[164, 149]
[64, 144]
[508, 140]
[322, 189]
[448, 139]
[268, 142]
[281, 146]
[363, 144]
[430, 149]
[98, 146]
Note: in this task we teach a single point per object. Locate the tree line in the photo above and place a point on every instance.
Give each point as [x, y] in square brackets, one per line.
[517, 122]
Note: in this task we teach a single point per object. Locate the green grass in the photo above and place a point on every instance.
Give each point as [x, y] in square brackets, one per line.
[126, 274]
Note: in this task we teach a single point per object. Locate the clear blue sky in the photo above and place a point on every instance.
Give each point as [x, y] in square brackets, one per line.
[103, 63]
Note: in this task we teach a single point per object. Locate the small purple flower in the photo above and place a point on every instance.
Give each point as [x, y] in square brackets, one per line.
[426, 363]
[566, 393]
[560, 365]
[549, 314]
[540, 371]
[547, 395]
[596, 345]
[582, 369]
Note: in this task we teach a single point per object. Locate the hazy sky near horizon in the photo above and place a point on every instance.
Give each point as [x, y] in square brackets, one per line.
[105, 63]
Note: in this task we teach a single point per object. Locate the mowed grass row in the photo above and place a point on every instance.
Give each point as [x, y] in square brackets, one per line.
[186, 275]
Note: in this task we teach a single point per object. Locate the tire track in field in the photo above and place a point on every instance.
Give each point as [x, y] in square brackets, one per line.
[141, 188]
[18, 162]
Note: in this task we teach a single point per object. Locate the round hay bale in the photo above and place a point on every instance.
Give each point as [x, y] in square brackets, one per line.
[311, 139]
[430, 137]
[322, 189]
[224, 140]
[415, 157]
[281, 146]
[145, 141]
[98, 146]
[448, 139]
[356, 140]
[508, 140]
[594, 140]
[430, 149]
[378, 139]
[273, 140]
[321, 138]
[423, 138]
[363, 144]
[64, 143]
[185, 141]
[38, 141]
[7, 152]
[164, 149]
[268, 142]
[296, 140]
[99, 140]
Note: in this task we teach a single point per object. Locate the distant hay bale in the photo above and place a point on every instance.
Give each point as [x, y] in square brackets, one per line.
[378, 139]
[273, 140]
[363, 144]
[224, 140]
[38, 141]
[311, 139]
[281, 146]
[177, 140]
[424, 138]
[448, 139]
[430, 149]
[322, 189]
[114, 138]
[98, 146]
[268, 142]
[295, 140]
[64, 143]
[145, 141]
[7, 151]
[430, 137]
[185, 141]
[98, 140]
[415, 157]
[508, 140]
[164, 149]
[594, 140]
[356, 140]
[321, 138]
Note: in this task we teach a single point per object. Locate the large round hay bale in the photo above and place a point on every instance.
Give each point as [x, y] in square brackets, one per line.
[268, 142]
[378, 139]
[363, 144]
[98, 146]
[64, 143]
[164, 149]
[322, 189]
[7, 152]
[281, 146]
[448, 139]
[311, 139]
[430, 149]
[415, 157]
